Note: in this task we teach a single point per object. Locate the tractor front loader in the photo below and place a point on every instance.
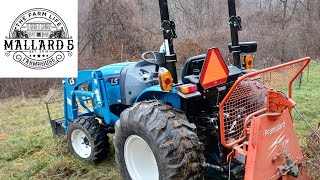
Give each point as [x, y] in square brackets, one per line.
[221, 122]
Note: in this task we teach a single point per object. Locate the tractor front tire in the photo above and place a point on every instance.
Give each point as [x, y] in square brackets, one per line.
[153, 141]
[88, 139]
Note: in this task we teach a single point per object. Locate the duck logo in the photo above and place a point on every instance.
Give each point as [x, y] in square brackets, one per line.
[38, 39]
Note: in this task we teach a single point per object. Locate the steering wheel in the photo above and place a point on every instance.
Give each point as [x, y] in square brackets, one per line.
[152, 61]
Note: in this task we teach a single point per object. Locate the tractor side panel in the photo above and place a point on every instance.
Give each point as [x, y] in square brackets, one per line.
[270, 142]
[134, 79]
[111, 74]
[113, 89]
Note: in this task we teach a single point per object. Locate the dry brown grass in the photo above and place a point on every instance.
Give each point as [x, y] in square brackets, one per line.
[29, 152]
[313, 152]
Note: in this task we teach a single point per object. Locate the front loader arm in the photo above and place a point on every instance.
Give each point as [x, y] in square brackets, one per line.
[96, 92]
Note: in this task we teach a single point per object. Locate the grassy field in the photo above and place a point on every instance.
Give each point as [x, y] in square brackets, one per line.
[27, 150]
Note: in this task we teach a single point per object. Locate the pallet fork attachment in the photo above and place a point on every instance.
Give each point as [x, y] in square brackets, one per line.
[55, 117]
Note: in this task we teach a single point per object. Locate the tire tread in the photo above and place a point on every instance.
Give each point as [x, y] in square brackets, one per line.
[98, 134]
[173, 134]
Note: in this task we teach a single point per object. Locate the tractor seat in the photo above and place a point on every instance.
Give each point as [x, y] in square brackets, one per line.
[234, 73]
[194, 79]
[192, 69]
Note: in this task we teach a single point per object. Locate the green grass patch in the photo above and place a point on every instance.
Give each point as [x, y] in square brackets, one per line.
[307, 97]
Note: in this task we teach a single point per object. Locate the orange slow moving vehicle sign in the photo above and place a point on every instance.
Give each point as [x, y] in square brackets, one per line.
[214, 70]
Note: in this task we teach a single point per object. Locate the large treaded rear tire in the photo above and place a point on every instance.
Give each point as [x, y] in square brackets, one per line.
[96, 135]
[172, 139]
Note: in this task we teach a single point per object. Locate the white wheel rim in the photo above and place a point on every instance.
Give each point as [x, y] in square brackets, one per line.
[140, 160]
[80, 143]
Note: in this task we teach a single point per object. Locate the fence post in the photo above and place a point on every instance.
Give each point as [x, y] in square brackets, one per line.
[300, 80]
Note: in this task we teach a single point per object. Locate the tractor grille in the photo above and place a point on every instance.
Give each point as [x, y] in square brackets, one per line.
[248, 95]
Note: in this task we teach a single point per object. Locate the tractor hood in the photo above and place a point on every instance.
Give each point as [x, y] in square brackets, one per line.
[113, 69]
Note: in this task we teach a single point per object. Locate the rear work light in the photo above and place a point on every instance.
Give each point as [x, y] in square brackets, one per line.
[165, 81]
[187, 88]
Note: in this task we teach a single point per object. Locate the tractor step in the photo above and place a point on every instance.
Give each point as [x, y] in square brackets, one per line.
[58, 127]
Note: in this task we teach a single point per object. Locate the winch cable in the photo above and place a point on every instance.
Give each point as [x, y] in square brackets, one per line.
[229, 171]
[306, 121]
[301, 116]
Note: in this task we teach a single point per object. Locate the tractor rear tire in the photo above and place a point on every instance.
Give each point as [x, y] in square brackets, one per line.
[88, 139]
[153, 141]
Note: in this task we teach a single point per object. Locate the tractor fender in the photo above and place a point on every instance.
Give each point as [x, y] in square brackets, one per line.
[156, 93]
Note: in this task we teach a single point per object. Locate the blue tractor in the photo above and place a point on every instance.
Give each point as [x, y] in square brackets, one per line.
[164, 128]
